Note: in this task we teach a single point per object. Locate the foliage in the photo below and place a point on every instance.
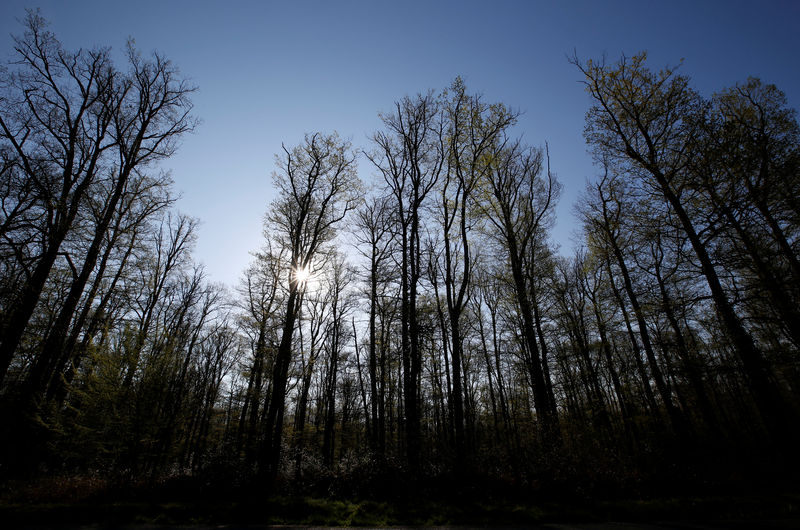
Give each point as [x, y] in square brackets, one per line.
[414, 353]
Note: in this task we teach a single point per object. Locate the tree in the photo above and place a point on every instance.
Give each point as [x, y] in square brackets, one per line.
[517, 203]
[747, 169]
[373, 230]
[646, 123]
[262, 295]
[473, 130]
[408, 156]
[317, 187]
[68, 121]
[604, 222]
[337, 334]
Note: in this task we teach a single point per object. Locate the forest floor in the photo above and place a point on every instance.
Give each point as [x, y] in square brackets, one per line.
[79, 503]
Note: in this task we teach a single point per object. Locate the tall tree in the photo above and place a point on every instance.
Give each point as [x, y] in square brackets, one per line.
[407, 156]
[517, 202]
[473, 129]
[747, 167]
[262, 294]
[645, 122]
[605, 223]
[69, 120]
[373, 231]
[153, 112]
[337, 334]
[317, 187]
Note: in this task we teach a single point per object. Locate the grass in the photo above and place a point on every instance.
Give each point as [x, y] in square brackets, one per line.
[280, 510]
[89, 500]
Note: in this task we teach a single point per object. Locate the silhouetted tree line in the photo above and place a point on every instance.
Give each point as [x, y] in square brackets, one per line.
[424, 323]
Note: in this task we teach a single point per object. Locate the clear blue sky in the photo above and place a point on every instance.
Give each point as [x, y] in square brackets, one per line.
[270, 71]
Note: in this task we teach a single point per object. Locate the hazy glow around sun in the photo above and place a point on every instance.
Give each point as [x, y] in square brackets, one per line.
[302, 275]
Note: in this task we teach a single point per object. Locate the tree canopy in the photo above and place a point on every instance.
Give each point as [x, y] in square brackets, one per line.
[408, 314]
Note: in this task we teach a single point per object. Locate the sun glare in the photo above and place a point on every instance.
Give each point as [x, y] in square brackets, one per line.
[302, 275]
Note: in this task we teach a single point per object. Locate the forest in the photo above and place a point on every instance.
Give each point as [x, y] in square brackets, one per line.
[408, 318]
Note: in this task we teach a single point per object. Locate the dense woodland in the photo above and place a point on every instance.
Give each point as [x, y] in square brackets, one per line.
[408, 313]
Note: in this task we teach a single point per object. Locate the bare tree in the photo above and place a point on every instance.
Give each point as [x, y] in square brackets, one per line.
[518, 205]
[317, 187]
[373, 232]
[67, 121]
[472, 132]
[409, 158]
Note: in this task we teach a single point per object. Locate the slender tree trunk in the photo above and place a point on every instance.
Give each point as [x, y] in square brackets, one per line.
[537, 319]
[637, 353]
[778, 418]
[42, 371]
[691, 363]
[541, 400]
[673, 413]
[373, 355]
[24, 307]
[269, 460]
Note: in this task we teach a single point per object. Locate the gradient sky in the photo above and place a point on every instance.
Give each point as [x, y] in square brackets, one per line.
[269, 71]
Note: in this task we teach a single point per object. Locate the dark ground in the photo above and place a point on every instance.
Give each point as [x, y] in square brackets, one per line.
[168, 508]
[93, 501]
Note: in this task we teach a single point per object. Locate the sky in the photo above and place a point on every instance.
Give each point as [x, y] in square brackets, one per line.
[268, 72]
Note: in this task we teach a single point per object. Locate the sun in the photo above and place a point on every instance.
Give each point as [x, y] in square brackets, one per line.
[301, 275]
